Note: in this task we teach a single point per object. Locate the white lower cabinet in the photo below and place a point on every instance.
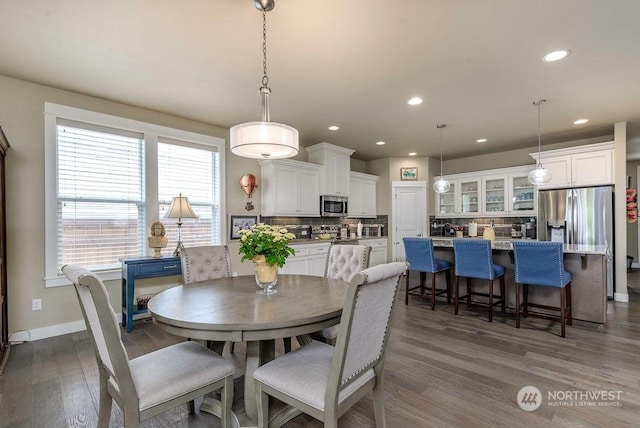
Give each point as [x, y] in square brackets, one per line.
[310, 259]
[378, 250]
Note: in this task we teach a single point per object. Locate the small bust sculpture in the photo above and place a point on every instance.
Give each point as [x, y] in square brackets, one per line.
[157, 240]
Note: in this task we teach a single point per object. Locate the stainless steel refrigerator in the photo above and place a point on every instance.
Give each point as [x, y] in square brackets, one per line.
[578, 216]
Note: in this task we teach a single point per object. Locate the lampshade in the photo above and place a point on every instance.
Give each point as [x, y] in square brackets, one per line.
[441, 185]
[180, 208]
[264, 140]
[539, 175]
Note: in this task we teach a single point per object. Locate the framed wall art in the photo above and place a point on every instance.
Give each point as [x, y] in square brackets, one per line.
[241, 222]
[408, 173]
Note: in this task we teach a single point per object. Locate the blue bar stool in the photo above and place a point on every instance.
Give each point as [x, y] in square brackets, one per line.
[541, 263]
[474, 260]
[419, 255]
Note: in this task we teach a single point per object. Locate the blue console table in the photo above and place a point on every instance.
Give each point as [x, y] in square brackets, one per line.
[142, 267]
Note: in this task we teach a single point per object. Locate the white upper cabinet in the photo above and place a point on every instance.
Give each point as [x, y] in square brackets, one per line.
[494, 192]
[362, 195]
[336, 165]
[589, 165]
[289, 188]
[462, 199]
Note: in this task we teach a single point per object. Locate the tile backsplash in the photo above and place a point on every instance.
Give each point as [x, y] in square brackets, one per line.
[505, 227]
[298, 225]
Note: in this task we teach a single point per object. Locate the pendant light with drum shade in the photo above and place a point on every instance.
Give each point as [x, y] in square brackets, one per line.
[441, 185]
[539, 175]
[264, 139]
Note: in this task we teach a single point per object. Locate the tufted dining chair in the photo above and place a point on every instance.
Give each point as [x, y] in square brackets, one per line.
[541, 264]
[152, 383]
[474, 259]
[325, 381]
[343, 262]
[205, 262]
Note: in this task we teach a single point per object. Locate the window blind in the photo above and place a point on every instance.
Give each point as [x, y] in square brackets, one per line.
[194, 171]
[100, 195]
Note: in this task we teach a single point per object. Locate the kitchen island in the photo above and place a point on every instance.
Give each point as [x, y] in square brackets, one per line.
[587, 264]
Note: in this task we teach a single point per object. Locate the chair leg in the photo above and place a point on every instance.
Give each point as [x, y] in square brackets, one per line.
[491, 300]
[227, 401]
[423, 276]
[105, 403]
[468, 292]
[378, 407]
[456, 292]
[191, 406]
[525, 300]
[448, 279]
[287, 344]
[433, 291]
[563, 310]
[406, 289]
[503, 295]
[263, 407]
[517, 305]
[569, 314]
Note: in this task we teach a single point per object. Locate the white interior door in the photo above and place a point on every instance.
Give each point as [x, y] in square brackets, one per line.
[409, 208]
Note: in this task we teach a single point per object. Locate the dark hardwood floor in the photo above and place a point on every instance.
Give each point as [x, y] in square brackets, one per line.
[441, 371]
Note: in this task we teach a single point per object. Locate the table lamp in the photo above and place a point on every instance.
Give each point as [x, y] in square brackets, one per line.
[180, 209]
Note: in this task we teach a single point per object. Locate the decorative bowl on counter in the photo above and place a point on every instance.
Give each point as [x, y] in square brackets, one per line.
[325, 236]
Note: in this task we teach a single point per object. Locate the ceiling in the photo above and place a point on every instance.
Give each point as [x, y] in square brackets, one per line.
[476, 63]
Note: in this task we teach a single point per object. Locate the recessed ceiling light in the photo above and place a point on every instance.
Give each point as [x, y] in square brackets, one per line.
[481, 140]
[381, 143]
[415, 101]
[556, 55]
[580, 121]
[412, 154]
[334, 127]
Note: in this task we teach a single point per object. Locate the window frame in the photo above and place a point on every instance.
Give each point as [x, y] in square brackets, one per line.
[152, 133]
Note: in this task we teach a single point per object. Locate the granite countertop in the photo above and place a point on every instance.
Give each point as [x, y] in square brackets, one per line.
[505, 244]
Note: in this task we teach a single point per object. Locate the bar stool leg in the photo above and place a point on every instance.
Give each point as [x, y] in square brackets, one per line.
[468, 292]
[525, 300]
[503, 295]
[433, 290]
[456, 292]
[406, 289]
[517, 305]
[570, 314]
[491, 300]
[448, 279]
[563, 309]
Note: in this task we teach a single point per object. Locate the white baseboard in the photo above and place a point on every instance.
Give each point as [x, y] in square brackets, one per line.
[621, 297]
[50, 331]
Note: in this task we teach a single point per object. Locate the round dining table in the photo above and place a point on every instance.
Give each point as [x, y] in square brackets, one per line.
[229, 309]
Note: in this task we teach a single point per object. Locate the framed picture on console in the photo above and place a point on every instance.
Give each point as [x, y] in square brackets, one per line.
[409, 173]
[241, 222]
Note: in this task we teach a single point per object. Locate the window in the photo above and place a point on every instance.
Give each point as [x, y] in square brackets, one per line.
[109, 178]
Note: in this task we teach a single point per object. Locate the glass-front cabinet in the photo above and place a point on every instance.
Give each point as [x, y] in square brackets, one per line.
[523, 195]
[494, 195]
[463, 198]
[497, 192]
[446, 202]
[469, 197]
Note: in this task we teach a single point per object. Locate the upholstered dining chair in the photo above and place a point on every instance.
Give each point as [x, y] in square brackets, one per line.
[343, 262]
[540, 263]
[152, 383]
[473, 259]
[205, 262]
[420, 256]
[324, 381]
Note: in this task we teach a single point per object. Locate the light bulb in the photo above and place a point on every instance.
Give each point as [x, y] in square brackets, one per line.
[441, 185]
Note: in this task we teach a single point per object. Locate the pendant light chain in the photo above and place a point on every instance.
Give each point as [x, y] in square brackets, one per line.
[265, 78]
[441, 164]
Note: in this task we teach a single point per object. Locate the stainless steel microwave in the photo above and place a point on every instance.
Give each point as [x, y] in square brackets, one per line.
[333, 206]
